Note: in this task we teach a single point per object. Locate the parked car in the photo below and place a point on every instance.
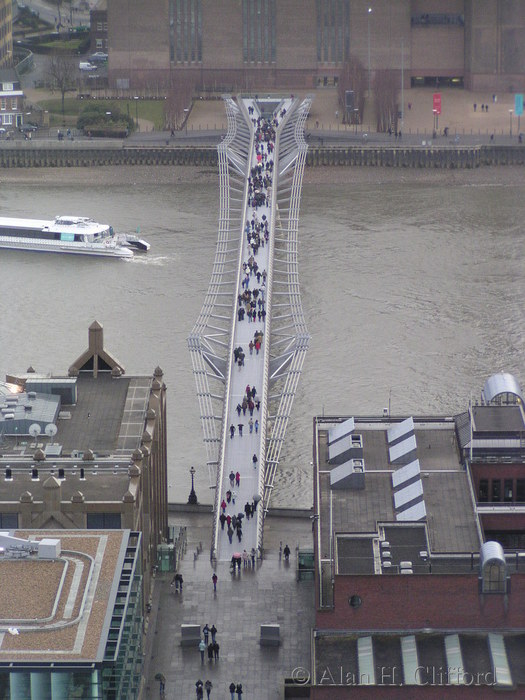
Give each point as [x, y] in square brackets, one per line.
[98, 57]
[86, 65]
[27, 128]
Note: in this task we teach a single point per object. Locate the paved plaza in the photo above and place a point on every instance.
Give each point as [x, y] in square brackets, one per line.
[270, 594]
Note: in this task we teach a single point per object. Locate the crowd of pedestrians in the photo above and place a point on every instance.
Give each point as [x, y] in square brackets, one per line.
[251, 306]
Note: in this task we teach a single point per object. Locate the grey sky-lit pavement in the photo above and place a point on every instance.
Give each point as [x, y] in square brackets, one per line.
[271, 594]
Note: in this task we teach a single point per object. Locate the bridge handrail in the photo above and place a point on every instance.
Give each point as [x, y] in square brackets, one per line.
[294, 140]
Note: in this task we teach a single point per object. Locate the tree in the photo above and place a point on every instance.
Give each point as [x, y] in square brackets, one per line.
[58, 4]
[352, 77]
[62, 73]
[178, 100]
[386, 85]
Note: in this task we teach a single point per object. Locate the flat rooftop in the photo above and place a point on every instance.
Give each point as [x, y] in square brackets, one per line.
[337, 662]
[107, 419]
[60, 609]
[366, 522]
[498, 419]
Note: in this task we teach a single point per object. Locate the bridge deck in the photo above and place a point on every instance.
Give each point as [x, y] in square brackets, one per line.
[240, 450]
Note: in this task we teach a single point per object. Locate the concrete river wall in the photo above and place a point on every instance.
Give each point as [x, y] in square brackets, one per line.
[77, 155]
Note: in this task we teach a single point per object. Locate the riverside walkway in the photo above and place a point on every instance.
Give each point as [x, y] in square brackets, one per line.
[249, 342]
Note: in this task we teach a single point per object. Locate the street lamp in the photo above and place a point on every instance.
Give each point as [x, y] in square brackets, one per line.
[192, 498]
[510, 122]
[369, 13]
[136, 112]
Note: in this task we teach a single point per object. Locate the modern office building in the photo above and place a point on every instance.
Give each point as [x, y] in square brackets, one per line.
[291, 44]
[70, 614]
[86, 450]
[420, 564]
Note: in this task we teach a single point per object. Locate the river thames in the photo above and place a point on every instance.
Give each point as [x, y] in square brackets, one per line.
[412, 285]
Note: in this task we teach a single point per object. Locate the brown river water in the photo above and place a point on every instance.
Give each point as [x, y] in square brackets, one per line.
[412, 286]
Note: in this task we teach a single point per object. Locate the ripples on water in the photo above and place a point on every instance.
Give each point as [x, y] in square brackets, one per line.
[412, 291]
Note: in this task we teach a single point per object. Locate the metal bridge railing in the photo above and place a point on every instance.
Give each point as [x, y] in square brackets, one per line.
[292, 157]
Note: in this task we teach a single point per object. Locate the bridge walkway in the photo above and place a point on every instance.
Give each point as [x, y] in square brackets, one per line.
[240, 450]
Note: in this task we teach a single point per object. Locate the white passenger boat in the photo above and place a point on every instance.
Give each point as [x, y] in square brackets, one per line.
[68, 234]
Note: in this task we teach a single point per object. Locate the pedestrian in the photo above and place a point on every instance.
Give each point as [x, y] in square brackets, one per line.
[223, 506]
[206, 632]
[232, 430]
[199, 689]
[232, 691]
[237, 479]
[181, 581]
[250, 424]
[254, 460]
[214, 579]
[202, 649]
[222, 518]
[213, 631]
[245, 559]
[216, 648]
[286, 552]
[208, 686]
[210, 652]
[244, 406]
[239, 537]
[247, 510]
[256, 426]
[228, 496]
[230, 533]
[234, 522]
[239, 409]
[248, 390]
[240, 426]
[228, 519]
[238, 690]
[232, 478]
[252, 554]
[234, 496]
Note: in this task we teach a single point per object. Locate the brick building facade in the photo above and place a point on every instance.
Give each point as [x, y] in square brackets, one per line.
[291, 44]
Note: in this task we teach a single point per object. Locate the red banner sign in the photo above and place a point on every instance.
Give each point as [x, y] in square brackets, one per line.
[436, 104]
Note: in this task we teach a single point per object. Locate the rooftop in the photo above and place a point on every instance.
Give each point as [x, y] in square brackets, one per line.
[374, 518]
[67, 615]
[433, 658]
[499, 419]
[108, 418]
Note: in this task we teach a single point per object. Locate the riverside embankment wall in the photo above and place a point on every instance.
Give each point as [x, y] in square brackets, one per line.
[75, 156]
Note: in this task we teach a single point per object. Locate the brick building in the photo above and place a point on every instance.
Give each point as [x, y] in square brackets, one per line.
[86, 450]
[292, 44]
[419, 576]
[11, 100]
[98, 17]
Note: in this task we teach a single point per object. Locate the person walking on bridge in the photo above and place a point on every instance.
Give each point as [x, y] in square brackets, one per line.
[254, 460]
[232, 430]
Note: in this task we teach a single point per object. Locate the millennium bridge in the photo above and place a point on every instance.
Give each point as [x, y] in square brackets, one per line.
[249, 342]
